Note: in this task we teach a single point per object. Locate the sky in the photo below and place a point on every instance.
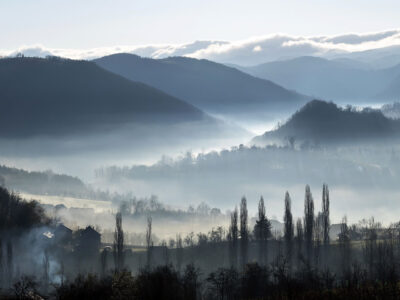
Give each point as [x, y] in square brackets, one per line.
[236, 32]
[105, 23]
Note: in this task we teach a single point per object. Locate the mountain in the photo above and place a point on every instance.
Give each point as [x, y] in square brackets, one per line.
[58, 96]
[392, 91]
[212, 87]
[340, 79]
[320, 122]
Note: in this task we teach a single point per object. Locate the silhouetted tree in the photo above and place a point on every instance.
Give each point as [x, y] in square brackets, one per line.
[10, 262]
[191, 283]
[262, 232]
[165, 252]
[118, 243]
[2, 268]
[325, 214]
[46, 267]
[149, 241]
[244, 232]
[299, 239]
[289, 228]
[224, 284]
[103, 262]
[233, 237]
[308, 222]
[344, 246]
[179, 252]
[370, 246]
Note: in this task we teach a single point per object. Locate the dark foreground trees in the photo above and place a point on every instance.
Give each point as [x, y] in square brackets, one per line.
[254, 282]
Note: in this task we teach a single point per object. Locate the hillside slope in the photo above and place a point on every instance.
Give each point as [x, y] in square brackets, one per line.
[325, 122]
[57, 96]
[210, 86]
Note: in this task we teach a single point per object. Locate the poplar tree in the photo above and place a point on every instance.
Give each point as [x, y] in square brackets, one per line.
[289, 228]
[244, 232]
[308, 222]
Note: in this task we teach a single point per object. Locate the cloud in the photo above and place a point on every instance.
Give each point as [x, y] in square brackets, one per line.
[245, 52]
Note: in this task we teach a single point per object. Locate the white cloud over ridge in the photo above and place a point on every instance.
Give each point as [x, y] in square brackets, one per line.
[245, 52]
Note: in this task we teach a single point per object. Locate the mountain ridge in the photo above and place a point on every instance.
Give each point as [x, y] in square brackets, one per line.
[211, 86]
[57, 96]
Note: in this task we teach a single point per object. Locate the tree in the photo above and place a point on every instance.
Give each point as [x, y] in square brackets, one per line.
[289, 228]
[179, 252]
[244, 232]
[10, 262]
[344, 245]
[308, 222]
[262, 232]
[149, 242]
[325, 215]
[118, 243]
[103, 262]
[299, 238]
[233, 237]
[46, 266]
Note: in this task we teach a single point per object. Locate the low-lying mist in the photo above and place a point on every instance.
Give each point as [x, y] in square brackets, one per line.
[363, 179]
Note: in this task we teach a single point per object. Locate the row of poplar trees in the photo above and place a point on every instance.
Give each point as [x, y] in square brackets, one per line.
[312, 232]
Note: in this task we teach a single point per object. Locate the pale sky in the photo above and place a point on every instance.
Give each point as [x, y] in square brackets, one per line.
[105, 23]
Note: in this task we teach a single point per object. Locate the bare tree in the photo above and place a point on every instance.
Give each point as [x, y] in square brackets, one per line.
[118, 243]
[289, 228]
[233, 237]
[244, 232]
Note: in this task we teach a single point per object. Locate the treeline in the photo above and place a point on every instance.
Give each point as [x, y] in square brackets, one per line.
[238, 262]
[50, 183]
[281, 165]
[41, 183]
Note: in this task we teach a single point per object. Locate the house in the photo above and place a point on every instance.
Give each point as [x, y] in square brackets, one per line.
[62, 235]
[88, 242]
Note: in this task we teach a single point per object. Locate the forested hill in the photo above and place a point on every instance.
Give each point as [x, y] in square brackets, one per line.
[58, 96]
[208, 85]
[41, 182]
[325, 122]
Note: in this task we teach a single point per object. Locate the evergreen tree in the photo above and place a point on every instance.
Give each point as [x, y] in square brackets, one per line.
[262, 232]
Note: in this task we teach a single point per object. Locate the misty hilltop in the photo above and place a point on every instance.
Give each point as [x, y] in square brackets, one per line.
[324, 122]
[211, 86]
[58, 96]
[340, 79]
